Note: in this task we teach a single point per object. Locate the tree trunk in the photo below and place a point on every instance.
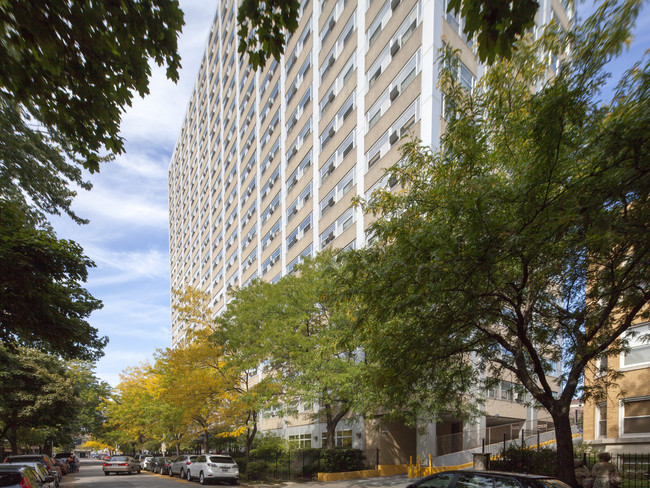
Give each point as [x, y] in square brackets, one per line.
[250, 434]
[12, 436]
[564, 440]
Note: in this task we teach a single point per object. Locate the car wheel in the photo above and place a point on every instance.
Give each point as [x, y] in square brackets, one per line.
[106, 473]
[201, 478]
[188, 475]
[233, 481]
[182, 475]
[171, 473]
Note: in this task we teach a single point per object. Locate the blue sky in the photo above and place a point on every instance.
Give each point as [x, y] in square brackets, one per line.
[128, 234]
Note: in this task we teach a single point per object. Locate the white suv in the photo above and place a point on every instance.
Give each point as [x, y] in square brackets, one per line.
[208, 468]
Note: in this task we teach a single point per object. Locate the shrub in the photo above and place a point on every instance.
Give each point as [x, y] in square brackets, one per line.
[340, 460]
[523, 459]
[256, 470]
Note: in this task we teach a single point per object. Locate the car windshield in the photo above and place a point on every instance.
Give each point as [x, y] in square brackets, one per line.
[222, 459]
[119, 458]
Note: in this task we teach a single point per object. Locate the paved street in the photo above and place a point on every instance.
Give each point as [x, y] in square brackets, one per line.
[91, 475]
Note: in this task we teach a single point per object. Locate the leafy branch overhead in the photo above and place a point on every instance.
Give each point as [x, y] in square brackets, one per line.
[262, 28]
[75, 65]
[496, 24]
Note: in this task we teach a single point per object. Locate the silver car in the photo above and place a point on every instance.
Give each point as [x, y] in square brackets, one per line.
[180, 464]
[208, 468]
[121, 464]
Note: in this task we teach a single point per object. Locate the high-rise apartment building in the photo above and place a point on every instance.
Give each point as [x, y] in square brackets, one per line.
[268, 161]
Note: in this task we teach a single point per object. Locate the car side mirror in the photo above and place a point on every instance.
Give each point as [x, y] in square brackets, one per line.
[49, 479]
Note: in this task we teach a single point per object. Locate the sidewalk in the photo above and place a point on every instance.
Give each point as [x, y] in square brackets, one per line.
[398, 481]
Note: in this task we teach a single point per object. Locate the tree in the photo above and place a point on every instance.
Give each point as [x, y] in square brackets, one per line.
[522, 243]
[293, 329]
[263, 26]
[68, 71]
[496, 24]
[35, 395]
[91, 392]
[42, 303]
[74, 66]
[231, 398]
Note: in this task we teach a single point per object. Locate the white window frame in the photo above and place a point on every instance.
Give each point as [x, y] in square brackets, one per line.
[621, 416]
[636, 337]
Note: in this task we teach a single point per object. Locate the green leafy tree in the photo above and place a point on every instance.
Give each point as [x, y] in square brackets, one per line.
[293, 329]
[42, 303]
[522, 243]
[68, 71]
[37, 399]
[496, 24]
[74, 66]
[91, 392]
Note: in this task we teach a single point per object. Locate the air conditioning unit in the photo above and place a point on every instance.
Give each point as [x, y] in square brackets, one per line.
[331, 202]
[332, 23]
[330, 99]
[394, 137]
[394, 4]
[332, 132]
[331, 61]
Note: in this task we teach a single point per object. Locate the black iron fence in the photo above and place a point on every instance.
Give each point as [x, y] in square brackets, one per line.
[634, 469]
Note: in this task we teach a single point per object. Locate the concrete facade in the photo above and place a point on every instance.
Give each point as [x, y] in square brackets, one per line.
[267, 162]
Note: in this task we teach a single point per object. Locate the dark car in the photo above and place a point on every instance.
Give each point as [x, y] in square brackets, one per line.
[41, 458]
[161, 465]
[18, 476]
[486, 479]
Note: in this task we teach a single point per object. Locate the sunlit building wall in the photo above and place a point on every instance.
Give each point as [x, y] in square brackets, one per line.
[267, 162]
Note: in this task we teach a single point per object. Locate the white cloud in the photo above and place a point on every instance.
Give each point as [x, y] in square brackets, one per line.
[131, 265]
[127, 207]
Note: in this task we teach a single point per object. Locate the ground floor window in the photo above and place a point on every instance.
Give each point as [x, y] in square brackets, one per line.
[636, 416]
[300, 441]
[343, 438]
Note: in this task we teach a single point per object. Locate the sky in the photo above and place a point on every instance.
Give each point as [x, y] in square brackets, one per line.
[127, 237]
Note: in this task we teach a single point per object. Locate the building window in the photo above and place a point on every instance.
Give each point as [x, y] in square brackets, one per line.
[300, 441]
[601, 420]
[639, 347]
[636, 416]
[343, 438]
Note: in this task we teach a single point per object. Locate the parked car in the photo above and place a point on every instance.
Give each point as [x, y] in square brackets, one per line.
[146, 463]
[44, 459]
[45, 478]
[24, 476]
[121, 464]
[180, 464]
[159, 465]
[208, 468]
[486, 479]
